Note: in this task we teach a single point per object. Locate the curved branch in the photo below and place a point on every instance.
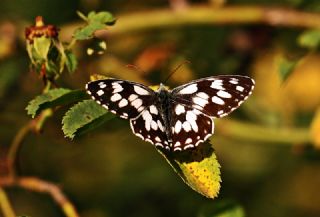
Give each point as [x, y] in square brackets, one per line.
[5, 205]
[41, 186]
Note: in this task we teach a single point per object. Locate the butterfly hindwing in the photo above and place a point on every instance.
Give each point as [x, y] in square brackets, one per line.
[124, 98]
[189, 127]
[215, 96]
[150, 127]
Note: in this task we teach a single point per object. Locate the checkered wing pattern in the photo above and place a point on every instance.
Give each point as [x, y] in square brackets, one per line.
[132, 101]
[196, 103]
[215, 96]
[175, 120]
[124, 98]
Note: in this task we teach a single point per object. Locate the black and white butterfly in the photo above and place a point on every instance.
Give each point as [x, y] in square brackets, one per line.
[176, 119]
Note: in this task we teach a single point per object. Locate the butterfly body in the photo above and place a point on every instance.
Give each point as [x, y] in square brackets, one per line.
[176, 119]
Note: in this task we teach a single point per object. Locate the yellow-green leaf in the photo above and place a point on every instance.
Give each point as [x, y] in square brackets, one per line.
[198, 168]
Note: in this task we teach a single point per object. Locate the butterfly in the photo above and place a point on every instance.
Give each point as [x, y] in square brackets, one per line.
[176, 119]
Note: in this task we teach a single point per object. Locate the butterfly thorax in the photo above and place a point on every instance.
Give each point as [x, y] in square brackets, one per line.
[164, 104]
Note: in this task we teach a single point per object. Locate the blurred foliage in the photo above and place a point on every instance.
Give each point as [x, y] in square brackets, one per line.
[110, 172]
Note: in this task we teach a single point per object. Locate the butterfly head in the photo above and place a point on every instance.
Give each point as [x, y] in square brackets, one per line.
[162, 87]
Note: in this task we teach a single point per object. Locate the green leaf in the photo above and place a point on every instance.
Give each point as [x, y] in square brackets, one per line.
[88, 31]
[286, 67]
[101, 17]
[71, 61]
[52, 98]
[42, 46]
[198, 168]
[84, 116]
[310, 39]
[95, 22]
[222, 209]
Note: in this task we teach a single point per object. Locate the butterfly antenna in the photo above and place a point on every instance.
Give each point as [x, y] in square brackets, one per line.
[176, 69]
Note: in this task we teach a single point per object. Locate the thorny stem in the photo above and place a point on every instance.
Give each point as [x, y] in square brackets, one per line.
[5, 205]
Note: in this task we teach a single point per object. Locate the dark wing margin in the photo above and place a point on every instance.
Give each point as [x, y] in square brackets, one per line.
[124, 98]
[215, 96]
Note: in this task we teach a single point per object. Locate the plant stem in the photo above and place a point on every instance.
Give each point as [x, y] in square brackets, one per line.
[207, 15]
[258, 133]
[35, 125]
[41, 186]
[5, 205]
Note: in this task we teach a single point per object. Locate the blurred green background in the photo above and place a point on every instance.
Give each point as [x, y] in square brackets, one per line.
[110, 172]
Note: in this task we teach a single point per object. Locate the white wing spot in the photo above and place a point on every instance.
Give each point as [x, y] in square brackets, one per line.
[160, 125]
[177, 149]
[233, 81]
[186, 126]
[189, 89]
[223, 94]
[153, 109]
[180, 109]
[154, 125]
[100, 92]
[217, 100]
[217, 84]
[123, 103]
[158, 139]
[200, 101]
[116, 87]
[188, 146]
[189, 140]
[102, 85]
[159, 144]
[239, 88]
[132, 97]
[203, 95]
[177, 127]
[140, 90]
[105, 106]
[137, 103]
[220, 112]
[141, 108]
[115, 97]
[177, 144]
[147, 119]
[191, 118]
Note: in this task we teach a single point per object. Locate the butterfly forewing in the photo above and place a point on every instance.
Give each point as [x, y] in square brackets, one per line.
[132, 101]
[215, 96]
[124, 98]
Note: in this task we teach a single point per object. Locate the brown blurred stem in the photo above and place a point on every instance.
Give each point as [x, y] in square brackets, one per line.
[5, 205]
[41, 186]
